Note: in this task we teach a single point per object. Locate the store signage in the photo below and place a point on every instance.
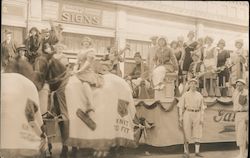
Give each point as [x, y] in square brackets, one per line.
[81, 15]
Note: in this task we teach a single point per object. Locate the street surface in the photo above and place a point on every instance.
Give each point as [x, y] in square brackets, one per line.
[215, 150]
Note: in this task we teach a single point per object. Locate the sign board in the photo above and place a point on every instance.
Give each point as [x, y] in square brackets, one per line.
[79, 13]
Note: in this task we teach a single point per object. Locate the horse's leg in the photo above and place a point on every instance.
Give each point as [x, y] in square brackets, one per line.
[63, 127]
[74, 152]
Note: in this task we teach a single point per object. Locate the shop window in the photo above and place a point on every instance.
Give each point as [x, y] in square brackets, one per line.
[138, 46]
[73, 42]
[18, 33]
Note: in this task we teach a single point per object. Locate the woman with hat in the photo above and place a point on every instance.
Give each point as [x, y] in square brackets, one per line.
[222, 57]
[33, 43]
[84, 70]
[240, 104]
[210, 63]
[188, 46]
[238, 60]
[191, 116]
[165, 61]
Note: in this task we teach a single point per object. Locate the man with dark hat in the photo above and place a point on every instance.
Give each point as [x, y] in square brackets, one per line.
[8, 49]
[22, 52]
[241, 103]
[191, 116]
[140, 72]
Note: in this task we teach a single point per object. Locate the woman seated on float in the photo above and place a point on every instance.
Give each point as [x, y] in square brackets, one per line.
[85, 71]
[165, 62]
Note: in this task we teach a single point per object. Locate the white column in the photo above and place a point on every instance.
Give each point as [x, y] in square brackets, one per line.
[121, 24]
[199, 29]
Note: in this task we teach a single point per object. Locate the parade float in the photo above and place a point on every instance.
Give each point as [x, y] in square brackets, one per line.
[161, 113]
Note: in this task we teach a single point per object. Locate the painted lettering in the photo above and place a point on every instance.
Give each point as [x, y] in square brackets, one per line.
[224, 116]
[78, 18]
[95, 20]
[65, 16]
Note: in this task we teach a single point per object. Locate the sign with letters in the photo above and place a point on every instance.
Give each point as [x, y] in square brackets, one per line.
[72, 13]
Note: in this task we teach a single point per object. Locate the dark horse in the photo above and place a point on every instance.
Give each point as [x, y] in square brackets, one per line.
[49, 70]
[56, 75]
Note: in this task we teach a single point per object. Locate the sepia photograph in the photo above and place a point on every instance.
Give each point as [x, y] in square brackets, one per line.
[124, 79]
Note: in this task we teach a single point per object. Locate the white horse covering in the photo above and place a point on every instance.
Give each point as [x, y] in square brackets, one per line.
[16, 94]
[114, 114]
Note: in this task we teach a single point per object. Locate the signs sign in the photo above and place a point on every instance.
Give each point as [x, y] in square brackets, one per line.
[80, 15]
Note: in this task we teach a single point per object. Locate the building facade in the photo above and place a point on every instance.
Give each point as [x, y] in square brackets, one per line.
[133, 22]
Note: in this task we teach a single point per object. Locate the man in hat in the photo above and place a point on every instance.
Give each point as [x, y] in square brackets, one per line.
[33, 43]
[139, 75]
[196, 68]
[8, 49]
[151, 54]
[238, 60]
[22, 52]
[222, 57]
[191, 116]
[240, 103]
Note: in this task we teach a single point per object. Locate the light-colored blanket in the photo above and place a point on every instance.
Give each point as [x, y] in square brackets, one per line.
[113, 116]
[16, 133]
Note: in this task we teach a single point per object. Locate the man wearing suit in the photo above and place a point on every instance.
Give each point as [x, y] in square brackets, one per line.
[8, 49]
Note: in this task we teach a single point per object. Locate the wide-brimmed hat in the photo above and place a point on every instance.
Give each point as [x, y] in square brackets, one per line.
[137, 54]
[180, 38]
[191, 33]
[34, 29]
[208, 38]
[87, 39]
[241, 80]
[153, 38]
[162, 38]
[173, 42]
[239, 41]
[21, 47]
[221, 41]
[193, 80]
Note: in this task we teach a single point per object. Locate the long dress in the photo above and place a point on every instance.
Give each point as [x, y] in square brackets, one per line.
[89, 75]
[165, 61]
[187, 60]
[238, 58]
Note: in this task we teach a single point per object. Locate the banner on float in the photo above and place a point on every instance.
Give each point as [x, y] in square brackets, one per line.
[218, 125]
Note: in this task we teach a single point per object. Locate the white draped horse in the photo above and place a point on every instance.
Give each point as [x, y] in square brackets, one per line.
[114, 109]
[21, 119]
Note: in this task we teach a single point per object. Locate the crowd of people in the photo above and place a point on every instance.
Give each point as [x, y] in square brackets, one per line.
[211, 69]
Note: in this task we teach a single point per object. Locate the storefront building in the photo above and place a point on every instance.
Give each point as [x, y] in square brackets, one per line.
[132, 22]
